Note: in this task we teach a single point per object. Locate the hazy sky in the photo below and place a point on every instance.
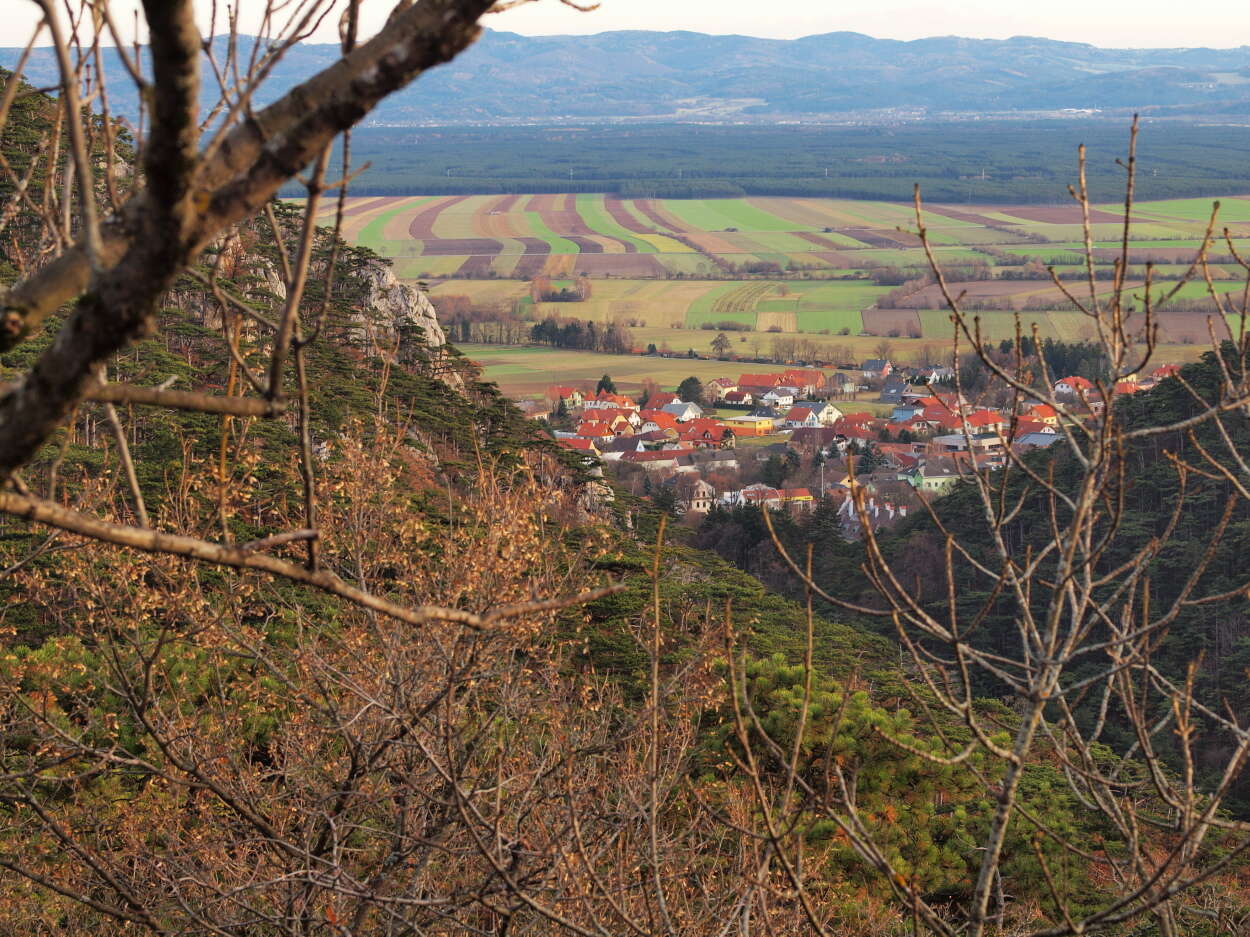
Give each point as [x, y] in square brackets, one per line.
[1217, 23]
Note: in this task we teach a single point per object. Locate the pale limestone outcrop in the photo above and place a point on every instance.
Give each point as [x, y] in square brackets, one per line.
[395, 307]
[399, 319]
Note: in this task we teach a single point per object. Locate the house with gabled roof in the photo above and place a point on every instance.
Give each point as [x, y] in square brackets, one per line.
[934, 476]
[1042, 412]
[986, 421]
[1025, 426]
[605, 399]
[654, 461]
[800, 499]
[718, 387]
[706, 437]
[807, 380]
[600, 432]
[693, 494]
[577, 444]
[1074, 386]
[653, 420]
[571, 396]
[683, 410]
[893, 389]
[612, 414]
[752, 495]
[801, 415]
[612, 451]
[877, 368]
[762, 380]
[750, 424]
[739, 398]
[779, 397]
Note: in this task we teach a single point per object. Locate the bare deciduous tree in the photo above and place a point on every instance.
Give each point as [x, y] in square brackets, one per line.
[112, 254]
[1086, 621]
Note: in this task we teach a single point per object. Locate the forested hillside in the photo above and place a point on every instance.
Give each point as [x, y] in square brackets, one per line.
[306, 632]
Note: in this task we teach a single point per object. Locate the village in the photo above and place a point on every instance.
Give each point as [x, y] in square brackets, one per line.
[790, 440]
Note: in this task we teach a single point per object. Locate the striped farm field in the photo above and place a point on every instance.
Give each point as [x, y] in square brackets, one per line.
[805, 265]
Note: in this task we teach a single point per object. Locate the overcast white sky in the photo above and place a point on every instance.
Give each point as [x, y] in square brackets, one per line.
[1113, 23]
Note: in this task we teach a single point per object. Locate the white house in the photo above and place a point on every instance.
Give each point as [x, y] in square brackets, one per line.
[1074, 386]
[780, 397]
[683, 411]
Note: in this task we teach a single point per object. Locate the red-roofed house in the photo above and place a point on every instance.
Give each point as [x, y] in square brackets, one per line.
[579, 445]
[705, 437]
[986, 421]
[653, 420]
[742, 398]
[1043, 412]
[799, 498]
[800, 415]
[661, 399]
[762, 380]
[1073, 385]
[604, 399]
[1165, 371]
[595, 430]
[807, 380]
[1025, 427]
[571, 396]
[718, 387]
[614, 414]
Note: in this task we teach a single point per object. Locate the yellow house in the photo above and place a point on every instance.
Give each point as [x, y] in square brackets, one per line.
[750, 425]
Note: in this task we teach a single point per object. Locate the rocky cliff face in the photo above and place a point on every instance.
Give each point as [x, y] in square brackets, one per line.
[399, 319]
[396, 308]
[383, 315]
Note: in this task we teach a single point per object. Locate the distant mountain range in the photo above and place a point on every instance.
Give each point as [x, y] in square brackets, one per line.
[508, 78]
